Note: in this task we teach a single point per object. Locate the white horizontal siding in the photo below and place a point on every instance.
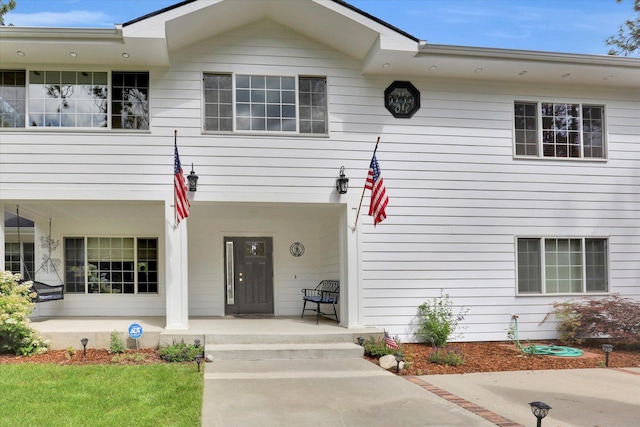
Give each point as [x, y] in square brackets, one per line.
[458, 197]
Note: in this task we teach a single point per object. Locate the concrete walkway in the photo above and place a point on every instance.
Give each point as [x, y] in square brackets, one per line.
[355, 392]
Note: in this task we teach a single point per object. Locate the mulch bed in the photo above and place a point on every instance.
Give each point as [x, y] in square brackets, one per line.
[504, 356]
[478, 357]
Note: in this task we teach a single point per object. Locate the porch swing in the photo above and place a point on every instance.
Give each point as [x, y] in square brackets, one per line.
[43, 291]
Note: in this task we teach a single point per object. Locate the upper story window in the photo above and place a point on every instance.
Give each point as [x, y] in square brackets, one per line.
[566, 265]
[74, 99]
[559, 130]
[265, 103]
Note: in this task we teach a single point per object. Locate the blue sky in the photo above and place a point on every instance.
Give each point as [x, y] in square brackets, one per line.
[573, 26]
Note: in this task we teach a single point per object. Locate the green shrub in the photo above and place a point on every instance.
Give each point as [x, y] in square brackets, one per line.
[116, 343]
[180, 352]
[446, 356]
[377, 347]
[437, 323]
[16, 335]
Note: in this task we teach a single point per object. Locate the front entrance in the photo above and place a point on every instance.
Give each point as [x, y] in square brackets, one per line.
[248, 275]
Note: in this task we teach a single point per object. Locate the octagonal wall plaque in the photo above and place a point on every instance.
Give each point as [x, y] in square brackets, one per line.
[402, 99]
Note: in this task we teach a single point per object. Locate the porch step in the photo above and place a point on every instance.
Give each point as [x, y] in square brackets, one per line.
[288, 350]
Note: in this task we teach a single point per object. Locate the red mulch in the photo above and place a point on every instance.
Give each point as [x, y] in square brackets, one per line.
[93, 357]
[478, 357]
[503, 356]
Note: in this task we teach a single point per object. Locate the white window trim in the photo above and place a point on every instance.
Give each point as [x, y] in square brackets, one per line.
[605, 133]
[543, 278]
[259, 133]
[135, 261]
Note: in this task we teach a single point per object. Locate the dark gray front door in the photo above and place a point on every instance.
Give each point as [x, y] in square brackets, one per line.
[248, 275]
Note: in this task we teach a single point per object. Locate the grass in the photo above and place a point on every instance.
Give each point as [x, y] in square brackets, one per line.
[100, 395]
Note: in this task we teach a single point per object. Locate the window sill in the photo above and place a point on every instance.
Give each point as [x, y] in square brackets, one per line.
[560, 159]
[268, 134]
[566, 294]
[44, 129]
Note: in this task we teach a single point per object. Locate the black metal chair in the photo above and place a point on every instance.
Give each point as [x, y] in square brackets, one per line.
[327, 292]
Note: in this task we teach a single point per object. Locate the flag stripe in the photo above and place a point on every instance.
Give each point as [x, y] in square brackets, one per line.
[180, 188]
[379, 198]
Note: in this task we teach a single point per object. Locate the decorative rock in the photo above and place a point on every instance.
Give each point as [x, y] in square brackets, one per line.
[388, 362]
[209, 357]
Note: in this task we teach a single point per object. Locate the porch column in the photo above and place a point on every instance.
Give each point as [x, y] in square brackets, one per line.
[177, 271]
[350, 313]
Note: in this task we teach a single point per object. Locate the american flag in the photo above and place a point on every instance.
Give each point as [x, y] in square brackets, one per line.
[379, 199]
[390, 342]
[180, 188]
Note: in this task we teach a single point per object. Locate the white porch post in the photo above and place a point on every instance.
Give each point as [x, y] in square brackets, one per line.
[177, 271]
[350, 314]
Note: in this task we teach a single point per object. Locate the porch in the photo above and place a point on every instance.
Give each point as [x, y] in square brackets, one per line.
[229, 337]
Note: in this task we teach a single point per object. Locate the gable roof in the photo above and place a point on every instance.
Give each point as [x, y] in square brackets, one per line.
[381, 48]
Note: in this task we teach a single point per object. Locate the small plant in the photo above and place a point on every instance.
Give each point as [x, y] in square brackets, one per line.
[377, 347]
[613, 316]
[446, 356]
[437, 323]
[70, 352]
[179, 352]
[116, 343]
[16, 335]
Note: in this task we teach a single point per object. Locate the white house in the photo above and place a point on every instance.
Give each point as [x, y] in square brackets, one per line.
[513, 176]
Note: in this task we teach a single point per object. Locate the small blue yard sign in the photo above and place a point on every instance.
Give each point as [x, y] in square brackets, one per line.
[135, 331]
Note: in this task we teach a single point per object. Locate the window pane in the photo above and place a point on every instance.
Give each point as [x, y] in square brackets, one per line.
[596, 265]
[64, 96]
[592, 125]
[525, 127]
[218, 102]
[12, 99]
[130, 100]
[313, 105]
[74, 265]
[529, 266]
[147, 266]
[563, 265]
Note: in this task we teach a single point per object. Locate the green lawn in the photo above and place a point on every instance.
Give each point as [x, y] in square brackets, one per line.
[100, 395]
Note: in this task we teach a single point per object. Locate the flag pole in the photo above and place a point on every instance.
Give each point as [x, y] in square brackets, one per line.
[175, 201]
[364, 188]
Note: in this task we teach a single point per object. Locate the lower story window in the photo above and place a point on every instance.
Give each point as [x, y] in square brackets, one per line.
[111, 265]
[566, 265]
[19, 259]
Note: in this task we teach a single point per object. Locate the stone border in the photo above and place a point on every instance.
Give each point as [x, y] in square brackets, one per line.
[488, 415]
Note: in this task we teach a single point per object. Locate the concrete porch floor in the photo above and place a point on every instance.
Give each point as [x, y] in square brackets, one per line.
[65, 332]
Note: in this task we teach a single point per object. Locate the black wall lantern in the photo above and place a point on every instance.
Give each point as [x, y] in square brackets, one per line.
[193, 180]
[402, 99]
[342, 183]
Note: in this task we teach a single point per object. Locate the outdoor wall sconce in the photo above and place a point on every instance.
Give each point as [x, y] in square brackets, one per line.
[540, 410]
[342, 183]
[607, 348]
[399, 358]
[193, 180]
[84, 342]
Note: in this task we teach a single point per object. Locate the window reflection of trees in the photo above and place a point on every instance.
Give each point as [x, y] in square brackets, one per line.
[134, 109]
[79, 105]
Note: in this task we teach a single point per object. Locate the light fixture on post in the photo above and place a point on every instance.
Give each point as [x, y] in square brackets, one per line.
[399, 359]
[193, 180]
[607, 348]
[84, 342]
[342, 183]
[540, 410]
